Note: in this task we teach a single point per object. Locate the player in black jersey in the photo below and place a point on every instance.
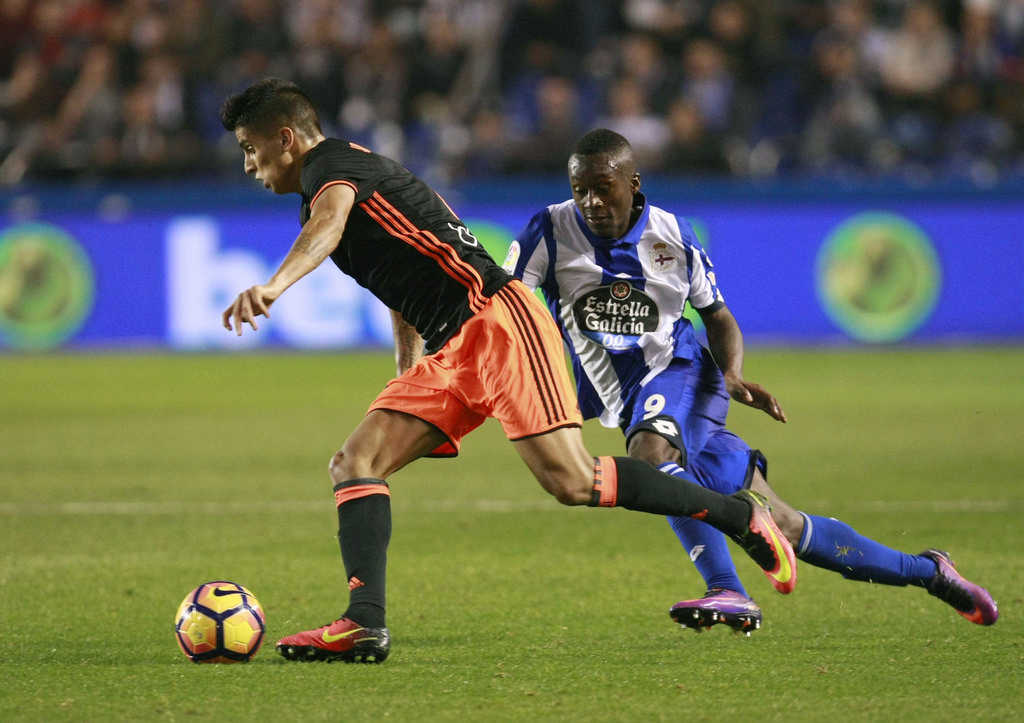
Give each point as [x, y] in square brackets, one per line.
[491, 350]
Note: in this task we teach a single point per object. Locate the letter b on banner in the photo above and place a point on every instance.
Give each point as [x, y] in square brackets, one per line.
[202, 281]
[325, 309]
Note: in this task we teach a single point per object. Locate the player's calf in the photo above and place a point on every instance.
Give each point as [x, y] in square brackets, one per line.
[788, 520]
[744, 516]
[766, 544]
[561, 464]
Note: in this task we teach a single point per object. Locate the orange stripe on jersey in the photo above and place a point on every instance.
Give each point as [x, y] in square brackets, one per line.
[392, 220]
[471, 273]
[446, 205]
[476, 302]
[547, 382]
[606, 481]
[347, 494]
[328, 185]
[358, 147]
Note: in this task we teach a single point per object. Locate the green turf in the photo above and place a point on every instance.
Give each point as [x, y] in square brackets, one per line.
[127, 480]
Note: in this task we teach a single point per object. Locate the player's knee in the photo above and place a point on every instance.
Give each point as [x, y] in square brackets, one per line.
[336, 468]
[658, 457]
[654, 449]
[345, 466]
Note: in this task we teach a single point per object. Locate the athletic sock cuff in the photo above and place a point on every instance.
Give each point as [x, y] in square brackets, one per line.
[354, 489]
[805, 536]
[606, 483]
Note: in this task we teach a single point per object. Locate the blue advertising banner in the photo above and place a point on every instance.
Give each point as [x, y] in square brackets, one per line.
[817, 270]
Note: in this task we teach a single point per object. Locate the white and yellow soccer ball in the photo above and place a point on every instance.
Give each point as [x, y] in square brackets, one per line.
[220, 622]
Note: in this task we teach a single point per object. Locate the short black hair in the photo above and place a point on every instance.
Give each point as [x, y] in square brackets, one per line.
[601, 140]
[268, 102]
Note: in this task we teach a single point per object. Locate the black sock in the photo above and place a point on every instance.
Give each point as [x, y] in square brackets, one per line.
[364, 530]
[639, 486]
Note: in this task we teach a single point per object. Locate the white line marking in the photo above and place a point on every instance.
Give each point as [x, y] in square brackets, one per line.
[16, 509]
[21, 509]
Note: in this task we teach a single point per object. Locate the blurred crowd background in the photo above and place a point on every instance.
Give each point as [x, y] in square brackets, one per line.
[913, 89]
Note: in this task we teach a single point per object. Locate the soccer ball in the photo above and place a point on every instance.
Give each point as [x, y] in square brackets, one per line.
[219, 622]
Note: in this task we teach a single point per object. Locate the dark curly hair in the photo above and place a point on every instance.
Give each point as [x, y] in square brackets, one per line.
[266, 103]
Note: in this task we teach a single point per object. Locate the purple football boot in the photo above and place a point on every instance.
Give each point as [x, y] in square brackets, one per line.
[718, 605]
[970, 600]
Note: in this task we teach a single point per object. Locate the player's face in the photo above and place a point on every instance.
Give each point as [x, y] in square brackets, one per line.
[602, 187]
[267, 159]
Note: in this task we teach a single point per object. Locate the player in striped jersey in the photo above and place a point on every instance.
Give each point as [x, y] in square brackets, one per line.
[616, 272]
[472, 343]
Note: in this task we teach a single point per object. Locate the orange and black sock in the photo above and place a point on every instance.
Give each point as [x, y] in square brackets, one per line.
[636, 485]
[364, 530]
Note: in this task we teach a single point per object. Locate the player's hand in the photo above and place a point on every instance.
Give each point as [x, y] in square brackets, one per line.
[754, 395]
[254, 301]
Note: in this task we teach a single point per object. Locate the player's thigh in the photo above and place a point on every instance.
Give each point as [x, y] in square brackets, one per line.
[652, 448]
[561, 463]
[689, 394]
[788, 519]
[383, 443]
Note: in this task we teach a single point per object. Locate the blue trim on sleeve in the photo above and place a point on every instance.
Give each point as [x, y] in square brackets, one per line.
[686, 232]
[550, 281]
[529, 238]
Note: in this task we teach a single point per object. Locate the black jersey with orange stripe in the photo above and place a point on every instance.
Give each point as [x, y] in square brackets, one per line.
[402, 241]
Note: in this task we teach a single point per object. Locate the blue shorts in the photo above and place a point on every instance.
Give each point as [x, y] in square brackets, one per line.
[689, 393]
[687, 404]
[727, 463]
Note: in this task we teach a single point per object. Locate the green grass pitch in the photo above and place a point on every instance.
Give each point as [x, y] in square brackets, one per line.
[127, 480]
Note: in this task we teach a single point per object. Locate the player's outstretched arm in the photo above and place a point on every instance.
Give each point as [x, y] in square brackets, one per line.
[319, 237]
[726, 342]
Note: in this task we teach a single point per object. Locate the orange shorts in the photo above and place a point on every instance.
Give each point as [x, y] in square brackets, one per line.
[506, 362]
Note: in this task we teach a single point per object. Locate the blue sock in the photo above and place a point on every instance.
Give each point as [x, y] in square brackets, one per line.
[827, 542]
[706, 546]
[709, 552]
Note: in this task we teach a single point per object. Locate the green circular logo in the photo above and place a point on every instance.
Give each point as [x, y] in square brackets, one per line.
[46, 286]
[878, 277]
[701, 229]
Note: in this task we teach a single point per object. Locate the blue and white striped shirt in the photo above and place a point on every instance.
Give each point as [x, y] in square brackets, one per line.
[618, 302]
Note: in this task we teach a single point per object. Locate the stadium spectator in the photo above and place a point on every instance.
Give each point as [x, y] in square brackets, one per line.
[708, 82]
[629, 113]
[409, 77]
[691, 149]
[641, 60]
[918, 59]
[845, 121]
[558, 122]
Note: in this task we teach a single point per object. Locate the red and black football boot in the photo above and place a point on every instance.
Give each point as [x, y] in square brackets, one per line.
[343, 640]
